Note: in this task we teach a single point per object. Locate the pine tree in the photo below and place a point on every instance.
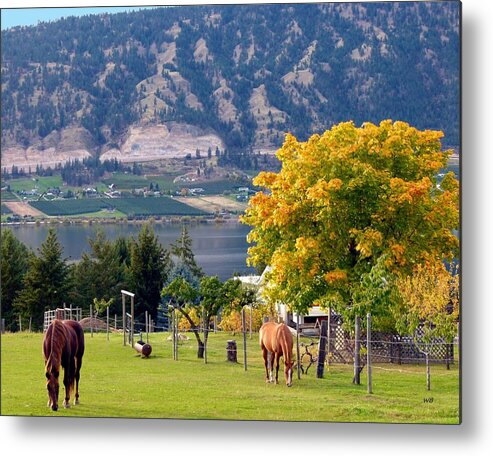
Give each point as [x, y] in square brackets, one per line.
[100, 274]
[14, 265]
[182, 250]
[148, 270]
[46, 283]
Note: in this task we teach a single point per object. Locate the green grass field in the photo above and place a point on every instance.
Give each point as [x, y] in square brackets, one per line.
[28, 183]
[117, 382]
[8, 196]
[126, 181]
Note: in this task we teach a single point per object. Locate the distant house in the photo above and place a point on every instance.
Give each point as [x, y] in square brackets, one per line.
[307, 321]
[90, 192]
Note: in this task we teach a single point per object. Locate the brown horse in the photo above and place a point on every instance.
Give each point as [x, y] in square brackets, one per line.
[276, 339]
[63, 345]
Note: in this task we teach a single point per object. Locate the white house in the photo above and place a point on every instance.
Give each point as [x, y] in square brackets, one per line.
[308, 322]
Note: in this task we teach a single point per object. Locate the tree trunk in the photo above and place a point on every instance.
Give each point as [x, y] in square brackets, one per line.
[322, 344]
[195, 330]
[200, 350]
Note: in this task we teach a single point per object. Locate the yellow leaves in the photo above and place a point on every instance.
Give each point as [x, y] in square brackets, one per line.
[282, 214]
[319, 191]
[289, 149]
[335, 184]
[305, 245]
[265, 179]
[398, 253]
[337, 275]
[427, 291]
[370, 188]
[367, 241]
[409, 191]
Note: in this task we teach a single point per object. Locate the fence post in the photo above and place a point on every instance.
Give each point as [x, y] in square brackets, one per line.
[71, 312]
[251, 312]
[173, 337]
[132, 321]
[243, 323]
[298, 361]
[328, 336]
[176, 334]
[20, 323]
[428, 374]
[322, 349]
[368, 352]
[147, 325]
[108, 323]
[90, 318]
[115, 323]
[206, 336]
[123, 321]
[357, 335]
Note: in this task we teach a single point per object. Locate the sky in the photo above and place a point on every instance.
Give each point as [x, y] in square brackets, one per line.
[31, 16]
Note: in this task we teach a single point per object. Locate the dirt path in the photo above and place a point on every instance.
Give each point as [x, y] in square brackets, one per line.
[213, 203]
[23, 209]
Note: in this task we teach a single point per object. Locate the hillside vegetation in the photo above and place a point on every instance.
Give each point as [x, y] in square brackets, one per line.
[235, 77]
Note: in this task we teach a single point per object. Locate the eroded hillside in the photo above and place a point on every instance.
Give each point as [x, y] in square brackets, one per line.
[164, 82]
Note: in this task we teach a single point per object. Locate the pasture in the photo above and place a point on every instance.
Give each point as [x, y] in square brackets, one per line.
[42, 183]
[117, 382]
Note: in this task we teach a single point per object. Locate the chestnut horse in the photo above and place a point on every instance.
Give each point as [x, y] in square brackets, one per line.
[63, 345]
[276, 339]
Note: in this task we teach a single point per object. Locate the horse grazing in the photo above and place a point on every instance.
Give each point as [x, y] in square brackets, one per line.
[63, 345]
[276, 339]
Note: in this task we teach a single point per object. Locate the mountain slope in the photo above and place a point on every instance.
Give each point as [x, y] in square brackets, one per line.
[242, 76]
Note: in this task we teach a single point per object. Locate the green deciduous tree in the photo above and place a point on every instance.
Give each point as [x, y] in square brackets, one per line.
[215, 295]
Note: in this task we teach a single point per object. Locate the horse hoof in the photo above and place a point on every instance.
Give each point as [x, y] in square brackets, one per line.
[66, 404]
[76, 402]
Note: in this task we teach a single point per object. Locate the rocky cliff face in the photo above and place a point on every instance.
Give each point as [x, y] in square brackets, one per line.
[165, 82]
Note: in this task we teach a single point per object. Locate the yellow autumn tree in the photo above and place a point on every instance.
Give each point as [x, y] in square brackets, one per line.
[349, 210]
[429, 302]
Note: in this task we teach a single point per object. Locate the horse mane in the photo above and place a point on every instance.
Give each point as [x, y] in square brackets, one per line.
[57, 341]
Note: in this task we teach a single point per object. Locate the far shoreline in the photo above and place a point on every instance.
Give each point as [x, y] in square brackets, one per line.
[124, 221]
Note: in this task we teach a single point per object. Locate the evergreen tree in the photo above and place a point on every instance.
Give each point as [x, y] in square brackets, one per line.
[148, 270]
[14, 265]
[182, 250]
[100, 274]
[46, 284]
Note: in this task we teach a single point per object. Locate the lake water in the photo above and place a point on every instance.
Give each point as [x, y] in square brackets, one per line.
[220, 249]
